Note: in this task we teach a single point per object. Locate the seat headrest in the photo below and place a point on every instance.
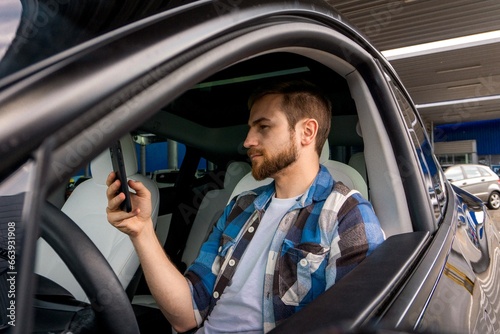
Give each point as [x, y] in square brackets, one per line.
[358, 130]
[101, 166]
[235, 171]
[325, 153]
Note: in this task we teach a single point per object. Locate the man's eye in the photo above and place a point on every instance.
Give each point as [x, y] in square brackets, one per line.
[263, 127]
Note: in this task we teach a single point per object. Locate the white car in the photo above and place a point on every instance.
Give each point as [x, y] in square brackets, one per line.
[479, 180]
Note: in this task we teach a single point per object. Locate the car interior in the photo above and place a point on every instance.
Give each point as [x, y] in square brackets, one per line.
[210, 120]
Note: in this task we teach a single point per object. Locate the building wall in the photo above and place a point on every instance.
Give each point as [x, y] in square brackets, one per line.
[486, 134]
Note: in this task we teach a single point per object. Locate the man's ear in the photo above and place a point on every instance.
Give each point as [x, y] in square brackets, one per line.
[309, 131]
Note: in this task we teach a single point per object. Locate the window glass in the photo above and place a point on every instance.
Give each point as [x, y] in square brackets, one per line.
[484, 171]
[454, 159]
[471, 171]
[424, 152]
[454, 174]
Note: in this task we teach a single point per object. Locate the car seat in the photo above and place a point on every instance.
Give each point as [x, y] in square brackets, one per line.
[87, 208]
[211, 208]
[357, 161]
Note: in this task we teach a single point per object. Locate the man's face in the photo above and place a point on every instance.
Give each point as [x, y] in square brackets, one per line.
[270, 142]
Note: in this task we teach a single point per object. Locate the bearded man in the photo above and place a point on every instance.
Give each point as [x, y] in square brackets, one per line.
[275, 248]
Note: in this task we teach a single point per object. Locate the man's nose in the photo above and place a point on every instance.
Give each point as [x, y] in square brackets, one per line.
[249, 140]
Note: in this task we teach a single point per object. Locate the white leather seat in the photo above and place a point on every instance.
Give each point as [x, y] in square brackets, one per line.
[248, 183]
[347, 175]
[87, 207]
[357, 161]
[343, 173]
[211, 208]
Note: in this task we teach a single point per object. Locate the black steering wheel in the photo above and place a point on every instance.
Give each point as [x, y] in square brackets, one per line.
[109, 301]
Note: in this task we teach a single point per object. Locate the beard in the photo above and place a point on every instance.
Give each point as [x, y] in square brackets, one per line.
[271, 165]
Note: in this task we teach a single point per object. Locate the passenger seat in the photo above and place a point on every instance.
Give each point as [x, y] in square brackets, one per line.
[210, 210]
[357, 161]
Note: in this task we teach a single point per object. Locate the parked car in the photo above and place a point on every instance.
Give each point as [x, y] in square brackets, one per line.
[183, 73]
[479, 180]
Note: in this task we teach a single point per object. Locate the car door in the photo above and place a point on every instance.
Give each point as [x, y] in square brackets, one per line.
[467, 237]
[490, 181]
[475, 182]
[165, 66]
[455, 174]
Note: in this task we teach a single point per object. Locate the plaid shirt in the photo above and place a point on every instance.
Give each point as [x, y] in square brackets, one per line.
[329, 231]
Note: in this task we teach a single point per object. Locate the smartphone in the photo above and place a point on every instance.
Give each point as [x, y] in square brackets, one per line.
[119, 169]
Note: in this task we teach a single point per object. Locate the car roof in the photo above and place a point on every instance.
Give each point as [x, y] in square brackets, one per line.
[476, 165]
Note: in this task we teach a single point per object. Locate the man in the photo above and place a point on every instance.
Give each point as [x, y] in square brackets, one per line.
[274, 249]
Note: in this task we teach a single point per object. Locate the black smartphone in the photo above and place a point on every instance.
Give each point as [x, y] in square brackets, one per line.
[119, 169]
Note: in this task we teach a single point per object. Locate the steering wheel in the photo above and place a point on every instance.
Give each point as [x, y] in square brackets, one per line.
[109, 301]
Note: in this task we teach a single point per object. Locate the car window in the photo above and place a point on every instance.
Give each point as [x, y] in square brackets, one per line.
[454, 174]
[424, 152]
[484, 171]
[471, 171]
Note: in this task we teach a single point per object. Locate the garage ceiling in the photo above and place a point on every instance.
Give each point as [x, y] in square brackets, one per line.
[457, 85]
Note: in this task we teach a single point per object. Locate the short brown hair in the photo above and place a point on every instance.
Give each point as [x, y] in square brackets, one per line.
[301, 99]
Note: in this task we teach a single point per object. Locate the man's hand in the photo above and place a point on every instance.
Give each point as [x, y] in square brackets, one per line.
[168, 286]
[134, 222]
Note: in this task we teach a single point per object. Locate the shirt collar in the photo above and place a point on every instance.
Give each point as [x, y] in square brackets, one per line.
[318, 191]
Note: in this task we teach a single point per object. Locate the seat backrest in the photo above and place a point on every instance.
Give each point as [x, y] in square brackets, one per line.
[347, 175]
[357, 161]
[87, 208]
[344, 173]
[248, 182]
[211, 207]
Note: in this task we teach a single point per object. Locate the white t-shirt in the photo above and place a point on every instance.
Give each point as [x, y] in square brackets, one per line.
[240, 307]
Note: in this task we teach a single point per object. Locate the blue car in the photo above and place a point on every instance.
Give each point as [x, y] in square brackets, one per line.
[170, 80]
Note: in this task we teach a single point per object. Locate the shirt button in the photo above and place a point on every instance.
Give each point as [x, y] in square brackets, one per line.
[251, 229]
[220, 249]
[216, 294]
[232, 262]
[303, 262]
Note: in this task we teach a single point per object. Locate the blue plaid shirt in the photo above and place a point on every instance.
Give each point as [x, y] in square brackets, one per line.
[329, 231]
